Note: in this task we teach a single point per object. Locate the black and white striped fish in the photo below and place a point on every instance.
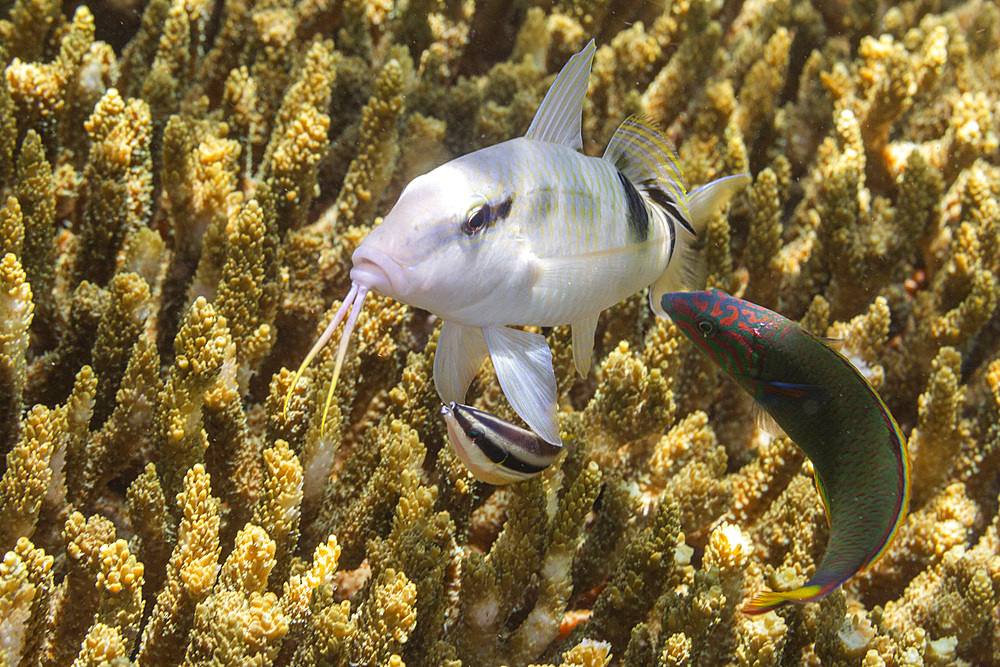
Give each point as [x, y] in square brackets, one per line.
[496, 451]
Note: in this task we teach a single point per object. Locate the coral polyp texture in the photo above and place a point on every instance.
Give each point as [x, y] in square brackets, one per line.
[183, 184]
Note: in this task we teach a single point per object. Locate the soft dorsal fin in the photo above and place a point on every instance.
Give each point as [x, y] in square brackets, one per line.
[559, 116]
[645, 157]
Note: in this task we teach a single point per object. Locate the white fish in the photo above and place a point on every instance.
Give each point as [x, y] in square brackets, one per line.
[496, 451]
[533, 232]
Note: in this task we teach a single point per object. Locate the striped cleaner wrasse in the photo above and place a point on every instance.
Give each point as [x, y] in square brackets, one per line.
[496, 451]
[826, 407]
[533, 232]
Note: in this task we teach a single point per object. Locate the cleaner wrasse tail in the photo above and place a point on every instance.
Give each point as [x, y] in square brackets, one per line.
[353, 303]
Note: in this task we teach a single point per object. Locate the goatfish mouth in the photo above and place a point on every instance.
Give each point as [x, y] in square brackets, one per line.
[377, 271]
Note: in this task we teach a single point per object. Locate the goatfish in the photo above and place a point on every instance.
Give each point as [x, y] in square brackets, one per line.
[496, 451]
[532, 232]
[826, 407]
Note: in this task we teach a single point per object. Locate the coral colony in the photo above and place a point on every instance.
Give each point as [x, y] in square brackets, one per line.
[180, 201]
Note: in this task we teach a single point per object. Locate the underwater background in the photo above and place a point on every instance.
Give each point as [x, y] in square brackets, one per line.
[184, 182]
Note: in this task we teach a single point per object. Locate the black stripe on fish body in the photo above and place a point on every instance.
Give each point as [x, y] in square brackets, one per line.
[636, 214]
[663, 199]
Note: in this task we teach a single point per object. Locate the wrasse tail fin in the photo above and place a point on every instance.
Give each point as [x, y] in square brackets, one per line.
[523, 363]
[769, 601]
[353, 302]
[559, 116]
[460, 352]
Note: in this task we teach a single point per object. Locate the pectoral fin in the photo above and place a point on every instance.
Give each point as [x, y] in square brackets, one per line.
[583, 343]
[461, 350]
[523, 364]
[809, 397]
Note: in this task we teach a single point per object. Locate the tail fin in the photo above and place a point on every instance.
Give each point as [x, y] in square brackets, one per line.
[770, 601]
[645, 157]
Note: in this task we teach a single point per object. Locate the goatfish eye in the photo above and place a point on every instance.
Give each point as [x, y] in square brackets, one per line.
[476, 220]
[496, 451]
[707, 326]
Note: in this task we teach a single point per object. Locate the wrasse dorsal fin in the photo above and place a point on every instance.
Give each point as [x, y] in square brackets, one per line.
[836, 344]
[559, 116]
[645, 157]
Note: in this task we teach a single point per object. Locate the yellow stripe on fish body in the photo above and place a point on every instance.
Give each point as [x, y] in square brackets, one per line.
[533, 232]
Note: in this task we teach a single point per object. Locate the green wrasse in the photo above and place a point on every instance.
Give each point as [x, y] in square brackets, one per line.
[827, 408]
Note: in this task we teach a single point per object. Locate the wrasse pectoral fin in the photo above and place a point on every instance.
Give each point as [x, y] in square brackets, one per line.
[560, 114]
[460, 352]
[769, 601]
[523, 363]
[353, 303]
[810, 398]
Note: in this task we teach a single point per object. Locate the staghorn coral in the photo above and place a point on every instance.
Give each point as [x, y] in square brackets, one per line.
[179, 210]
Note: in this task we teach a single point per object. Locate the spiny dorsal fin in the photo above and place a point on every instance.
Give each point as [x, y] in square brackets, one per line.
[559, 116]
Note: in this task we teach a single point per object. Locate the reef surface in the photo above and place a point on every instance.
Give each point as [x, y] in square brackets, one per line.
[183, 185]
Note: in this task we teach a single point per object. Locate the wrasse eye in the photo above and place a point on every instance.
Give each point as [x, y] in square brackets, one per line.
[707, 327]
[477, 220]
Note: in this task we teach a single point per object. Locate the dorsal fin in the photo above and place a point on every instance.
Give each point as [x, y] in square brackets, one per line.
[645, 157]
[559, 116]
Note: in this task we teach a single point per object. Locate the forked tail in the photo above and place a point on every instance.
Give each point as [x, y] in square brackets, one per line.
[353, 302]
